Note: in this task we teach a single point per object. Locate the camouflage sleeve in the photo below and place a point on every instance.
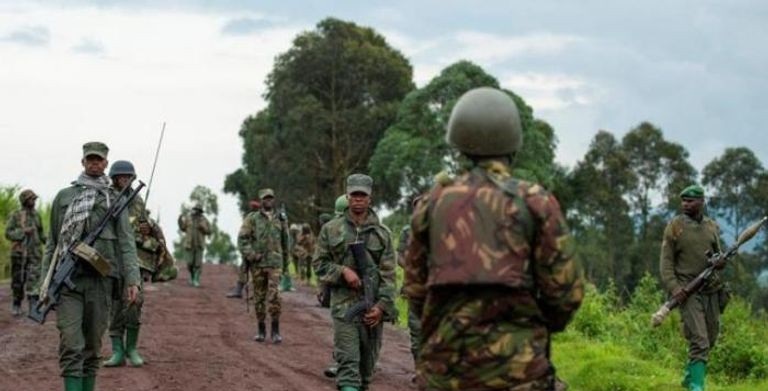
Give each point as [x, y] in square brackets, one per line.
[245, 239]
[54, 226]
[416, 271]
[182, 221]
[13, 229]
[205, 226]
[667, 261]
[385, 297]
[40, 229]
[327, 271]
[127, 244]
[402, 244]
[556, 273]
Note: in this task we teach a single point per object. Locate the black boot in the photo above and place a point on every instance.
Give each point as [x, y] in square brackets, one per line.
[276, 338]
[16, 308]
[261, 335]
[237, 291]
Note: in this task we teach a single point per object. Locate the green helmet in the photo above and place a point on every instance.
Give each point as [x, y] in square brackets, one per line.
[121, 167]
[485, 122]
[341, 204]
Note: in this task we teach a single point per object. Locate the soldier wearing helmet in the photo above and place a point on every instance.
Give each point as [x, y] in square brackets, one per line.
[490, 263]
[24, 230]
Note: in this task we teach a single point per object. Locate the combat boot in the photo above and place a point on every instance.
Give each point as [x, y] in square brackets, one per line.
[261, 335]
[131, 347]
[118, 353]
[16, 308]
[237, 291]
[72, 383]
[276, 338]
[89, 383]
[332, 370]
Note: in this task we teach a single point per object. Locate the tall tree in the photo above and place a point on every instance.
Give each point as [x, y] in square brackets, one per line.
[330, 98]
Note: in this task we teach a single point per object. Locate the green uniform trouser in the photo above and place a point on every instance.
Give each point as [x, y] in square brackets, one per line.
[82, 316]
[24, 275]
[124, 316]
[701, 324]
[355, 348]
[414, 328]
[242, 273]
[266, 295]
[195, 261]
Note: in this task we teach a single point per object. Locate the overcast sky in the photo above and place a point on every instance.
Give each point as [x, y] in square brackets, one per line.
[75, 71]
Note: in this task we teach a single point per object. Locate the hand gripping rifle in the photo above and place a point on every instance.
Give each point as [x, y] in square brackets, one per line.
[361, 307]
[715, 261]
[80, 251]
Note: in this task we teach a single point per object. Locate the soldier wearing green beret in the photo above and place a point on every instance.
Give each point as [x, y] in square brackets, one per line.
[24, 230]
[263, 243]
[82, 314]
[195, 227]
[687, 238]
[356, 342]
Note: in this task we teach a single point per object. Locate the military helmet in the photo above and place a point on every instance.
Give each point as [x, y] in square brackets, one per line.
[485, 122]
[341, 204]
[26, 195]
[121, 167]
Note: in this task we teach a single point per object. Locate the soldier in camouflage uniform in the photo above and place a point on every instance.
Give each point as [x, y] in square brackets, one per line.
[303, 251]
[356, 342]
[686, 240]
[263, 243]
[196, 227]
[490, 268]
[242, 270]
[82, 314]
[25, 232]
[324, 290]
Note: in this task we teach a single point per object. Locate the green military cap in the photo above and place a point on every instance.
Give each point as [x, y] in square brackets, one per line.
[692, 191]
[27, 195]
[359, 183]
[263, 193]
[95, 148]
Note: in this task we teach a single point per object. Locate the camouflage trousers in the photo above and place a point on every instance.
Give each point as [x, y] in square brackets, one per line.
[24, 275]
[82, 316]
[242, 273]
[266, 295]
[124, 316]
[545, 384]
[195, 260]
[701, 324]
[414, 329]
[356, 349]
[304, 268]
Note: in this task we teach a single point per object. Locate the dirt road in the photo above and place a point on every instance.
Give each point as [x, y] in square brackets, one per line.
[196, 339]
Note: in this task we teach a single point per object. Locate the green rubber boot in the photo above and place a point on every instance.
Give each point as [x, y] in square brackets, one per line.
[118, 354]
[698, 371]
[349, 388]
[686, 375]
[286, 284]
[131, 347]
[196, 278]
[89, 383]
[72, 383]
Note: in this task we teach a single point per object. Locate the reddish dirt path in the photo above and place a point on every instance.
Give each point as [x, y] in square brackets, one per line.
[196, 339]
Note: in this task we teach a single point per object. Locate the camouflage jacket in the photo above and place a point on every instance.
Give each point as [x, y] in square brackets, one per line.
[682, 251]
[14, 232]
[304, 247]
[332, 253]
[116, 243]
[402, 244]
[263, 237]
[196, 228]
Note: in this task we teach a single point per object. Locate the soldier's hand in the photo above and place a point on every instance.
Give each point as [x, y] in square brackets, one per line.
[373, 316]
[351, 277]
[679, 295]
[133, 293]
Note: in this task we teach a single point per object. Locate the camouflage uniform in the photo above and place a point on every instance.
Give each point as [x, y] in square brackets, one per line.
[263, 242]
[414, 323]
[355, 344]
[83, 312]
[303, 251]
[26, 250]
[196, 227]
[489, 269]
[685, 242]
[242, 269]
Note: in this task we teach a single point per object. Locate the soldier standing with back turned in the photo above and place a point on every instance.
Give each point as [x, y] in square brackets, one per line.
[25, 232]
[196, 227]
[490, 268]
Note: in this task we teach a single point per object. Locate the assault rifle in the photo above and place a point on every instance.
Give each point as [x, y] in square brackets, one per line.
[715, 261]
[80, 251]
[361, 307]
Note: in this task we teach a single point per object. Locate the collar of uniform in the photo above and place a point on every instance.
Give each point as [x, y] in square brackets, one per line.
[692, 220]
[370, 220]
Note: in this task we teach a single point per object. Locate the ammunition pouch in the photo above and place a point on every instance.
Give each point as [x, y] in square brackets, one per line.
[93, 258]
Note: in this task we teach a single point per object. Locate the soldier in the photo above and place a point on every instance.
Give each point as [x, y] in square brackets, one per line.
[356, 342]
[303, 251]
[196, 227]
[83, 312]
[414, 323]
[126, 319]
[324, 290]
[25, 232]
[490, 267]
[687, 238]
[263, 243]
[242, 270]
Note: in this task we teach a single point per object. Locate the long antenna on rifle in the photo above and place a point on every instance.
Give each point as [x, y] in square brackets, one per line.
[154, 165]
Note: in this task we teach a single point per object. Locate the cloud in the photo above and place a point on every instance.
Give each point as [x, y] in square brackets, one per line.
[89, 46]
[491, 48]
[29, 36]
[244, 26]
[548, 91]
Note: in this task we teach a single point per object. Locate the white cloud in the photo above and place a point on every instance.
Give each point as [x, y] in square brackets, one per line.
[548, 92]
[492, 48]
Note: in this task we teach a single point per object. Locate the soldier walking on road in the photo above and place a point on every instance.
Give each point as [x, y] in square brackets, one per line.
[490, 268]
[82, 314]
[25, 232]
[356, 342]
[196, 227]
[242, 270]
[687, 238]
[263, 243]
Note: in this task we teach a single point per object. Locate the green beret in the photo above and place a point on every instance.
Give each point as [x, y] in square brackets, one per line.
[95, 148]
[263, 193]
[359, 183]
[692, 191]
